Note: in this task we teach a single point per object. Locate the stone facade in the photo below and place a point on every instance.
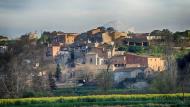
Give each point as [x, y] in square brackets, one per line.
[51, 52]
[155, 63]
[60, 37]
[136, 42]
[136, 59]
[69, 38]
[117, 35]
[130, 73]
[94, 59]
[132, 60]
[106, 38]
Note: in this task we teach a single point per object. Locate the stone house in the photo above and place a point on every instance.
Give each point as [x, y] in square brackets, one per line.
[133, 77]
[60, 37]
[94, 59]
[144, 37]
[132, 60]
[117, 35]
[136, 42]
[51, 52]
[106, 38]
[69, 38]
[129, 73]
[100, 37]
[101, 51]
[155, 63]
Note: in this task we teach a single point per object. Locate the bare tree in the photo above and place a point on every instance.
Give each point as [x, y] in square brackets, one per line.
[183, 72]
[171, 64]
[105, 80]
[166, 81]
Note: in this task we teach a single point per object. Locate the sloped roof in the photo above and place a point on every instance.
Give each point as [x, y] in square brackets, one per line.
[139, 35]
[136, 39]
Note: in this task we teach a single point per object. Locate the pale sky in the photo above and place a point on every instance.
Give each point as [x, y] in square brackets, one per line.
[18, 17]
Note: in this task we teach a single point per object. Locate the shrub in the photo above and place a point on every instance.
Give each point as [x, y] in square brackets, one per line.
[28, 94]
[136, 49]
[123, 48]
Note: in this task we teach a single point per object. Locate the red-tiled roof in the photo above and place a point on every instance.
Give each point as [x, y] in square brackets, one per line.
[139, 35]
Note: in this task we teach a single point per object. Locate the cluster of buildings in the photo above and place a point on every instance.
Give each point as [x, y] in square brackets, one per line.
[97, 48]
[59, 38]
[94, 50]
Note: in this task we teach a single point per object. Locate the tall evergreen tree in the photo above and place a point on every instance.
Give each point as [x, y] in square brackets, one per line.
[52, 84]
[58, 73]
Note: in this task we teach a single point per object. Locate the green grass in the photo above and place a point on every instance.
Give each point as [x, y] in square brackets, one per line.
[133, 100]
[86, 90]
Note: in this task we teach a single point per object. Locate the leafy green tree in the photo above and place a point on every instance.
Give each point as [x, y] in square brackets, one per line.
[156, 50]
[136, 49]
[163, 83]
[123, 48]
[166, 32]
[155, 33]
[130, 33]
[44, 38]
[177, 36]
[188, 33]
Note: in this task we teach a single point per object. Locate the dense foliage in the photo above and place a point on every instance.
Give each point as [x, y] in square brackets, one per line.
[151, 50]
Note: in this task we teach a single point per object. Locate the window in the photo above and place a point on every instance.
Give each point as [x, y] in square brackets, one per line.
[91, 60]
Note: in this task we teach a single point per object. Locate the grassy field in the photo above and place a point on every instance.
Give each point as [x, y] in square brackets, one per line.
[83, 91]
[158, 100]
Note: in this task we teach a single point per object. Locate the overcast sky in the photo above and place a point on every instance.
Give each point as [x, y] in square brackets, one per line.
[20, 16]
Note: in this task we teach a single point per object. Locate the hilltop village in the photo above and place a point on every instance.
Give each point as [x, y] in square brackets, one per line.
[101, 57]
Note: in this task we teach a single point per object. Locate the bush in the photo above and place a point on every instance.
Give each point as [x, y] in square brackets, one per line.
[156, 50]
[28, 94]
[136, 49]
[123, 48]
[162, 83]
